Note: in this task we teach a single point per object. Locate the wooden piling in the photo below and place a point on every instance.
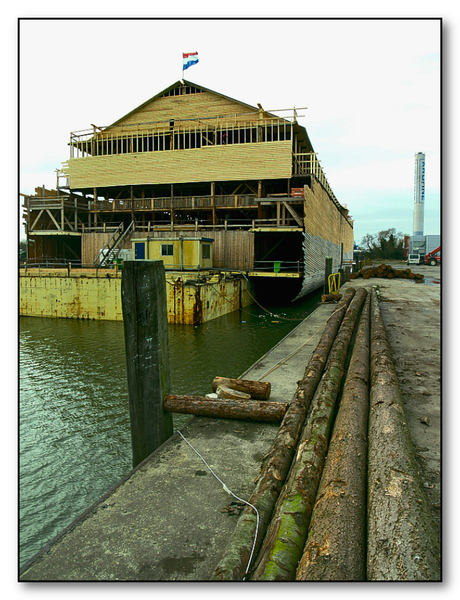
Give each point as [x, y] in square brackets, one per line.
[143, 294]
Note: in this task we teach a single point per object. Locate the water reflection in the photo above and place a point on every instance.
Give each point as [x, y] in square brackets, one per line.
[74, 420]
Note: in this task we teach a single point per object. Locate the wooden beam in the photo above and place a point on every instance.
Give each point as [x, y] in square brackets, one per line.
[38, 216]
[293, 213]
[54, 220]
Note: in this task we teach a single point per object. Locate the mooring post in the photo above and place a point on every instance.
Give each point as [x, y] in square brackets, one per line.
[327, 272]
[143, 294]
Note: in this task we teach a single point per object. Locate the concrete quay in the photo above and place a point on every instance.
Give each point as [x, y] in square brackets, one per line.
[170, 519]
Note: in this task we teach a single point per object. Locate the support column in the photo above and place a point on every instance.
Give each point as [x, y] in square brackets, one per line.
[213, 203]
[131, 195]
[172, 207]
[95, 205]
[143, 294]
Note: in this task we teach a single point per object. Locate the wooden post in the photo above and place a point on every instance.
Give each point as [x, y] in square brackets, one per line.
[327, 272]
[143, 294]
[213, 202]
[172, 207]
[131, 197]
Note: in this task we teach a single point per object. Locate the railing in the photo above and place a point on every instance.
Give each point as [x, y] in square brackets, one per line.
[181, 202]
[307, 163]
[279, 266]
[66, 267]
[56, 202]
[243, 128]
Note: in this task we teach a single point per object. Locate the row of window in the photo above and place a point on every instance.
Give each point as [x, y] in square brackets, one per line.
[168, 250]
[180, 91]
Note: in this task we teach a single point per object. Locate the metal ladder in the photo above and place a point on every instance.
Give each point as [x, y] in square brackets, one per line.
[111, 250]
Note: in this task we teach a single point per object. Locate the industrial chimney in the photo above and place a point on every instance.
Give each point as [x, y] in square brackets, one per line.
[419, 193]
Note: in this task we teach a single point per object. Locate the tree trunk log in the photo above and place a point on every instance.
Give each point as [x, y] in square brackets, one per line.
[331, 297]
[402, 540]
[256, 389]
[336, 543]
[285, 538]
[275, 466]
[223, 391]
[245, 410]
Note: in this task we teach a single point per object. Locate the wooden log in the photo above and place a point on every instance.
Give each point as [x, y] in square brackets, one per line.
[245, 410]
[335, 297]
[402, 540]
[235, 563]
[224, 391]
[336, 545]
[145, 322]
[286, 535]
[256, 389]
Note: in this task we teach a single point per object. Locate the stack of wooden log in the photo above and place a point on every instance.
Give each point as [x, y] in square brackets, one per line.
[339, 501]
[386, 271]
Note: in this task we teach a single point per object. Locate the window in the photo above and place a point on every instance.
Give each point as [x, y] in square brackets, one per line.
[206, 251]
[167, 249]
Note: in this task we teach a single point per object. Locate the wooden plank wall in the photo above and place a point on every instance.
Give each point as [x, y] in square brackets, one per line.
[189, 106]
[324, 220]
[233, 249]
[235, 162]
[91, 244]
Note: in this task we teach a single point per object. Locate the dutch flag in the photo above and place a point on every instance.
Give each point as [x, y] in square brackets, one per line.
[189, 59]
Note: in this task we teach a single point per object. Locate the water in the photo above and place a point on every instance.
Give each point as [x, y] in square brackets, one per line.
[75, 440]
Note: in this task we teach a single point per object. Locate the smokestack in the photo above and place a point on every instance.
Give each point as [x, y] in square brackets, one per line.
[419, 193]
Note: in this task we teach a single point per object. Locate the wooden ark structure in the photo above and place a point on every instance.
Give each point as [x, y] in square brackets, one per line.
[194, 162]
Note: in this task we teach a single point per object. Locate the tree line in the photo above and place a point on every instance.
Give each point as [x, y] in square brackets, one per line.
[387, 244]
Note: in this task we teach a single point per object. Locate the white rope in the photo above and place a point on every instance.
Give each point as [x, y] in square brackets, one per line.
[231, 494]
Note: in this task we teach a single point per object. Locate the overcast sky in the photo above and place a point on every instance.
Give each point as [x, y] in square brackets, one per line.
[371, 88]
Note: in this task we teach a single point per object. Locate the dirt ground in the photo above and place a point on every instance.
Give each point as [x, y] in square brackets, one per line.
[412, 316]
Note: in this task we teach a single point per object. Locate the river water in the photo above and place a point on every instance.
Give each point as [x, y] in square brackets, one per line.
[75, 441]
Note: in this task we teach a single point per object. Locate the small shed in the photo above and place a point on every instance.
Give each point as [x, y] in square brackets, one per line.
[178, 253]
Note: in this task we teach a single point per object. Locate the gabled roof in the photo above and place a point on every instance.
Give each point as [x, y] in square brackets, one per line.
[246, 107]
[179, 84]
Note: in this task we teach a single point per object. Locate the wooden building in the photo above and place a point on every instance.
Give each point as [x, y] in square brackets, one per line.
[194, 162]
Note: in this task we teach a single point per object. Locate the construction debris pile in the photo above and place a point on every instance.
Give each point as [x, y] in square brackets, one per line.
[387, 271]
[339, 497]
